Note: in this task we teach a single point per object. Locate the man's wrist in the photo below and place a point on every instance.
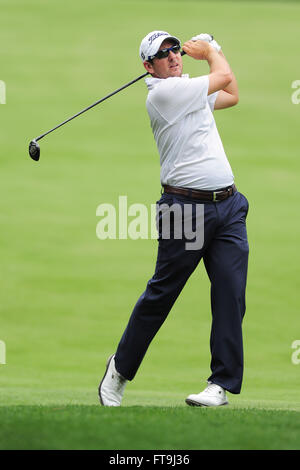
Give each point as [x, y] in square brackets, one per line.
[212, 53]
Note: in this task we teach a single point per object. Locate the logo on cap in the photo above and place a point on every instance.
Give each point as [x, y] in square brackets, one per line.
[154, 36]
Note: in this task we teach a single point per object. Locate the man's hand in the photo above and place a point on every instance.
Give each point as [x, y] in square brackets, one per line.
[200, 50]
[208, 38]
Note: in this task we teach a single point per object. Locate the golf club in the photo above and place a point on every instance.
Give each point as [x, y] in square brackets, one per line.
[34, 148]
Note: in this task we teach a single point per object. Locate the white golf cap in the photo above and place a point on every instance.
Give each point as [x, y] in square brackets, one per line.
[152, 42]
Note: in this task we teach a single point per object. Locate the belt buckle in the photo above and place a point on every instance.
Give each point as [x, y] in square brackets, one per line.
[215, 195]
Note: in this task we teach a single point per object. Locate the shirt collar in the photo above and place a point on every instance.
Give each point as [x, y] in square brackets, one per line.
[151, 82]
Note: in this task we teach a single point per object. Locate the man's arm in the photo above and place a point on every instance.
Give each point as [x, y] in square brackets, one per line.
[229, 96]
[220, 75]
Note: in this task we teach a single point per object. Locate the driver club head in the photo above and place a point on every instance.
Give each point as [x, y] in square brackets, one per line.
[34, 150]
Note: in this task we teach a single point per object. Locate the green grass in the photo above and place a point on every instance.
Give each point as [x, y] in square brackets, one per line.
[66, 296]
[143, 428]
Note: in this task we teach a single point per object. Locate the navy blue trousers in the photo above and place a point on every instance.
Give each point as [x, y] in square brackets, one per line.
[225, 254]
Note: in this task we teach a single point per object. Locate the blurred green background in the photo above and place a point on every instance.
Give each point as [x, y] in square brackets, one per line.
[66, 296]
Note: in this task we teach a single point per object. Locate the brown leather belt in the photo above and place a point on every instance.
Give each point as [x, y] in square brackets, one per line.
[214, 196]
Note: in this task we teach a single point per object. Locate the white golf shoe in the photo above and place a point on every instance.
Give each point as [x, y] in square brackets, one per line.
[213, 395]
[112, 386]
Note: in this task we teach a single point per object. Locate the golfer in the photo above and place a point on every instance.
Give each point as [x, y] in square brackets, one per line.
[195, 174]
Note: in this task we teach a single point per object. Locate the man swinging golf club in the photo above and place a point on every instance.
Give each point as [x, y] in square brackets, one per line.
[194, 171]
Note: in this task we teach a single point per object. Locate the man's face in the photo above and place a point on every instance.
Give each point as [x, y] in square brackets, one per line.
[170, 66]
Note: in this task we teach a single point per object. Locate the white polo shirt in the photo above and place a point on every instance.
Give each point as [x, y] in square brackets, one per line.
[186, 135]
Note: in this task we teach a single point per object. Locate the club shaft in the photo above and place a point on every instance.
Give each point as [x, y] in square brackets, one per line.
[95, 104]
[92, 105]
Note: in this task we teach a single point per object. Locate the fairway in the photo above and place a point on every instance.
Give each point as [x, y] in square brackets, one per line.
[66, 295]
[147, 428]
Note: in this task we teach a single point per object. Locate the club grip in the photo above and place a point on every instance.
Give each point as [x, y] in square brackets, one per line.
[183, 53]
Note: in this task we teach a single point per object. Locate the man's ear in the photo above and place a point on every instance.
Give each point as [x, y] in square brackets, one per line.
[148, 66]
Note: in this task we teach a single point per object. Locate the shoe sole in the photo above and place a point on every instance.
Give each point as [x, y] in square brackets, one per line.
[196, 403]
[99, 388]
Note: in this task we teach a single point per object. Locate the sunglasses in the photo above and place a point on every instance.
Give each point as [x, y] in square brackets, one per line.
[165, 52]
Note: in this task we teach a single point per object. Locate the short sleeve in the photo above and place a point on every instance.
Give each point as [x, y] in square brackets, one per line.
[212, 99]
[175, 97]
